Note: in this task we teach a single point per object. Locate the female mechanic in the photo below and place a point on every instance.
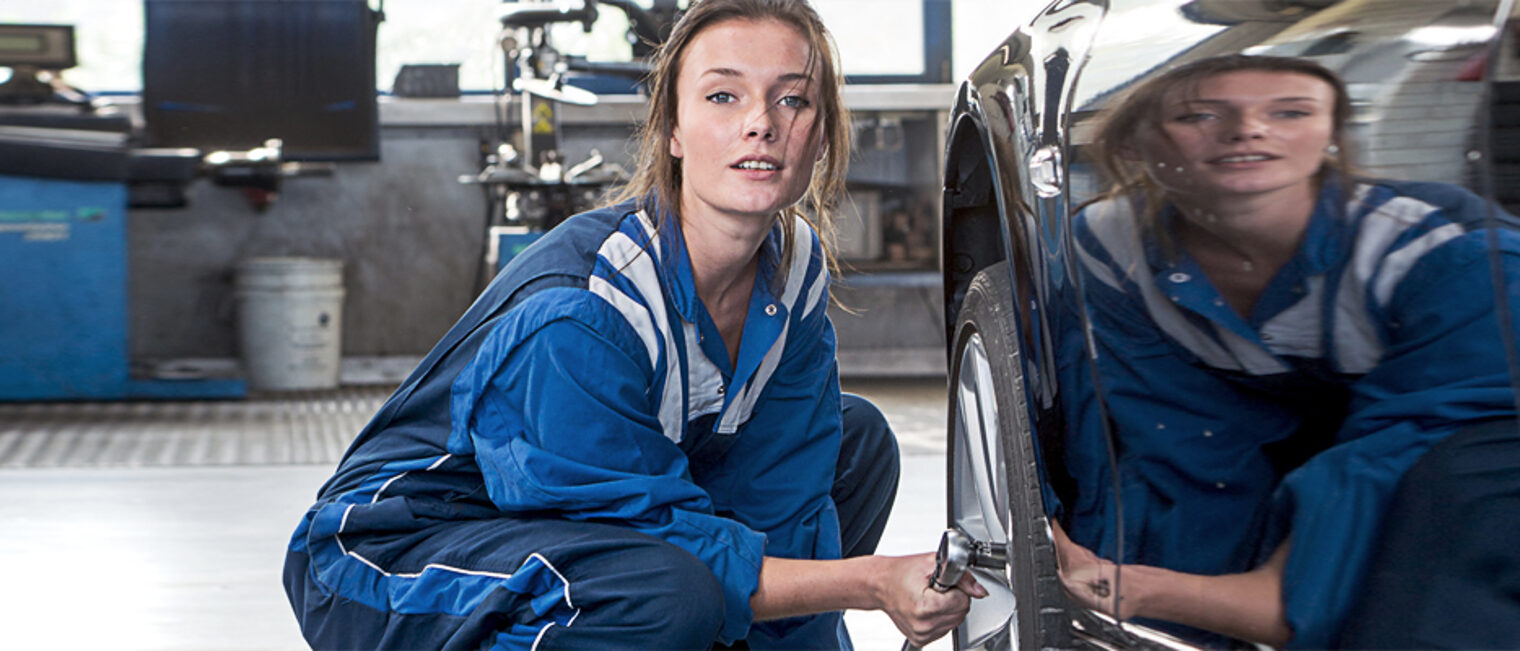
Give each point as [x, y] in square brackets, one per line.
[635, 437]
[1279, 341]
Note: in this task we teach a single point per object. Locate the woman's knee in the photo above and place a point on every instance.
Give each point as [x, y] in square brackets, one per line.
[653, 595]
[866, 476]
[690, 597]
[868, 443]
[1472, 465]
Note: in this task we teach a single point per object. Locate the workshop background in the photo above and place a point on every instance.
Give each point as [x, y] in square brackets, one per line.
[411, 237]
[149, 478]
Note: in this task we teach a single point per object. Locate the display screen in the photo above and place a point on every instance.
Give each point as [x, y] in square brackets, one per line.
[49, 47]
[231, 74]
[21, 44]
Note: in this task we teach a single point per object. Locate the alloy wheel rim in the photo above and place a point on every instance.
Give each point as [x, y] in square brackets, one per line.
[979, 507]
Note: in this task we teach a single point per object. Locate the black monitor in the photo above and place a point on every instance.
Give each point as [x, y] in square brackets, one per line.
[45, 47]
[231, 74]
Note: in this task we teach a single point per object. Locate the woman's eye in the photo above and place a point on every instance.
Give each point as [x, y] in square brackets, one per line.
[1293, 114]
[795, 101]
[721, 97]
[1193, 118]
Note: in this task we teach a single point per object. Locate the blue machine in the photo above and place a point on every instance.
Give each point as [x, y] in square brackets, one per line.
[63, 307]
[67, 176]
[507, 242]
[63, 303]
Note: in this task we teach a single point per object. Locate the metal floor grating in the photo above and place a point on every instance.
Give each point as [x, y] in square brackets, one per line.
[267, 428]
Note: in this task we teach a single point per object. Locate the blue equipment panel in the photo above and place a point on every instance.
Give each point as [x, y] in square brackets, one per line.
[63, 296]
[63, 301]
[508, 241]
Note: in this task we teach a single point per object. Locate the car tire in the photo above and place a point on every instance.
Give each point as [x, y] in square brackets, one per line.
[994, 476]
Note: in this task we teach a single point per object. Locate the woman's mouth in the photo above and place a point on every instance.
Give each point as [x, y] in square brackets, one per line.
[758, 164]
[1243, 158]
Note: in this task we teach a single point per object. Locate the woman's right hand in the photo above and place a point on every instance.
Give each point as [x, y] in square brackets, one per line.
[920, 612]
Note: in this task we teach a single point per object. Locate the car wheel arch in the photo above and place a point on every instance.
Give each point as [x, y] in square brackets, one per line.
[975, 227]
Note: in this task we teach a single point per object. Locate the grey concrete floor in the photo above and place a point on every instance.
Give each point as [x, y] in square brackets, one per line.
[189, 557]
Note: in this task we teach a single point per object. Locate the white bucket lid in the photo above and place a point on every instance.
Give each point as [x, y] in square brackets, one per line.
[278, 272]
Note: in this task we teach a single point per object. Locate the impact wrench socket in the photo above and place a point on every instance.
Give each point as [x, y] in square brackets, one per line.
[958, 552]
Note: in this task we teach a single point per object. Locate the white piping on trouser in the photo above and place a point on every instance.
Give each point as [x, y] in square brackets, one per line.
[496, 575]
[343, 524]
[564, 581]
[392, 480]
[540, 637]
[338, 537]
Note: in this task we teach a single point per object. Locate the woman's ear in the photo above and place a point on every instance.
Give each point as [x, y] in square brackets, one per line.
[675, 143]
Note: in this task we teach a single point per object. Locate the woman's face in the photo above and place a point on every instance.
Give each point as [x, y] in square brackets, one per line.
[1242, 134]
[746, 103]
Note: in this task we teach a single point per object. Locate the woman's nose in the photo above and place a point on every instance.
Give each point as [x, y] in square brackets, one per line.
[1247, 128]
[761, 124]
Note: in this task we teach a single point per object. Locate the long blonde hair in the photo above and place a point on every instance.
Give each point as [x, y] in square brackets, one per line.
[658, 174]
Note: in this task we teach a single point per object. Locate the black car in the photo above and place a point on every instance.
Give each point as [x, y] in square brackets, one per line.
[1430, 90]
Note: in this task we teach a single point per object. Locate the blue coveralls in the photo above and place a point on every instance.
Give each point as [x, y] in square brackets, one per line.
[1374, 342]
[577, 464]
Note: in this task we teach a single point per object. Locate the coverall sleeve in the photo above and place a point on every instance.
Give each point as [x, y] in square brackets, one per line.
[560, 408]
[1444, 368]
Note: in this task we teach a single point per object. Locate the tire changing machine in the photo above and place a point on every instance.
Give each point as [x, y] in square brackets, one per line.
[67, 177]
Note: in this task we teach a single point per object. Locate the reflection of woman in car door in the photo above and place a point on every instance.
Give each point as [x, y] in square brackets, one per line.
[1279, 342]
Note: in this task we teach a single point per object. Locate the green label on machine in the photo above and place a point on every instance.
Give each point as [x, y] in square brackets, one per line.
[47, 225]
[54, 216]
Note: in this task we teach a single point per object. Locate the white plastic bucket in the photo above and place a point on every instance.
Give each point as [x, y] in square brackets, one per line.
[290, 321]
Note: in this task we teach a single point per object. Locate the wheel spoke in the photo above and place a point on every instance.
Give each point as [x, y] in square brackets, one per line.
[993, 472]
[981, 503]
[971, 510]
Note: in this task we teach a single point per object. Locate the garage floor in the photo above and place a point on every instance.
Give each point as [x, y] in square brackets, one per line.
[163, 525]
